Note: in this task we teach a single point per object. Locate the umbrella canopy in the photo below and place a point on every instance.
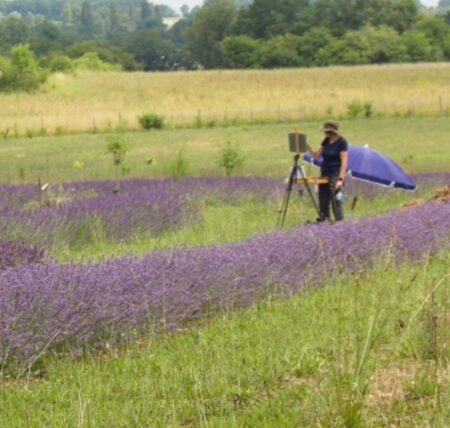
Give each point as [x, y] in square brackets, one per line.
[369, 165]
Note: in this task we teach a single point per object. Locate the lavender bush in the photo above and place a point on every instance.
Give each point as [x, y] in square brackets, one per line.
[15, 253]
[83, 212]
[52, 308]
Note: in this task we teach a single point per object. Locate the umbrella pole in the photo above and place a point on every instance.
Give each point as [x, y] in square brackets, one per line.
[355, 198]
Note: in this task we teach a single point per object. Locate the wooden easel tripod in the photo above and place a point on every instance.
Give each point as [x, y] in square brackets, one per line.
[297, 144]
[297, 172]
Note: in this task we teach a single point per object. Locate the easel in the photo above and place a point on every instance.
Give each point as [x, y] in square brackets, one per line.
[298, 144]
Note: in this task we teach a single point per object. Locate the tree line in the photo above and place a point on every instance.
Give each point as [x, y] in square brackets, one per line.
[132, 34]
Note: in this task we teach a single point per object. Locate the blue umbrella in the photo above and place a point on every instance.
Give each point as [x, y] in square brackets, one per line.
[369, 165]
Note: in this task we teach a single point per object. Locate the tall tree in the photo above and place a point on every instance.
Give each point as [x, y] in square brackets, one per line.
[267, 18]
[86, 18]
[145, 10]
[339, 16]
[151, 50]
[67, 15]
[211, 24]
[113, 16]
[403, 15]
[13, 31]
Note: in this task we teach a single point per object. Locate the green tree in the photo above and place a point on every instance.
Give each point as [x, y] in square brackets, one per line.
[339, 15]
[310, 44]
[150, 16]
[211, 24]
[403, 15]
[278, 52]
[145, 10]
[152, 50]
[419, 48]
[22, 73]
[240, 51]
[67, 14]
[13, 31]
[437, 31]
[385, 45]
[86, 18]
[113, 16]
[264, 19]
[46, 37]
[352, 48]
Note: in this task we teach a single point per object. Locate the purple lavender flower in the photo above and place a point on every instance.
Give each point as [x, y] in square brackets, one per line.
[15, 253]
[53, 308]
[77, 212]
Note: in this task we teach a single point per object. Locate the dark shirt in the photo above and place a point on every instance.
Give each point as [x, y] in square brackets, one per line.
[332, 156]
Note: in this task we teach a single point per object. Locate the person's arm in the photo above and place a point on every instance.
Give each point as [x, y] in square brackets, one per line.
[315, 153]
[343, 169]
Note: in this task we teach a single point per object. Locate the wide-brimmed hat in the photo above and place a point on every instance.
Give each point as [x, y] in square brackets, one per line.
[331, 126]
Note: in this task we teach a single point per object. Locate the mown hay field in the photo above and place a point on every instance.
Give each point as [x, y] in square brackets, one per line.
[94, 100]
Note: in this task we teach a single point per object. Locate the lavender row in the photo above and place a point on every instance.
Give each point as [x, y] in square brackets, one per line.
[228, 189]
[53, 308]
[15, 253]
[78, 212]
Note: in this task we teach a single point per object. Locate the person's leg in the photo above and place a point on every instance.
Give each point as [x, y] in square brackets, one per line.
[338, 208]
[324, 202]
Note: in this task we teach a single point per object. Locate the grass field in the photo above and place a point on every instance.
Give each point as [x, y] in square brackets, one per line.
[363, 351]
[418, 144]
[88, 101]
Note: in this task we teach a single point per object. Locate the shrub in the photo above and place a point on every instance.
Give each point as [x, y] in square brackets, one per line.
[357, 108]
[92, 61]
[151, 121]
[61, 130]
[22, 72]
[116, 145]
[229, 158]
[178, 168]
[59, 63]
[368, 109]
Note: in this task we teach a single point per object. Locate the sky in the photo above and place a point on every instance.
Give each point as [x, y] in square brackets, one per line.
[176, 4]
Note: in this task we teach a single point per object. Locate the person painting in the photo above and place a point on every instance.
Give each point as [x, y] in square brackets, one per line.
[334, 150]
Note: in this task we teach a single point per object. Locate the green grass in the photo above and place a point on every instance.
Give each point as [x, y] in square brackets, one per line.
[417, 143]
[361, 351]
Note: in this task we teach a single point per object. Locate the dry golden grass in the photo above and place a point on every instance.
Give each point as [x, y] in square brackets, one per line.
[88, 99]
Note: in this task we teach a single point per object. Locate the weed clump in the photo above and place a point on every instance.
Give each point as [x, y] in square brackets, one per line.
[230, 157]
[151, 121]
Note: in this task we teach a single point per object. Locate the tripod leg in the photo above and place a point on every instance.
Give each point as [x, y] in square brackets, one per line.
[287, 196]
[308, 188]
[284, 208]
